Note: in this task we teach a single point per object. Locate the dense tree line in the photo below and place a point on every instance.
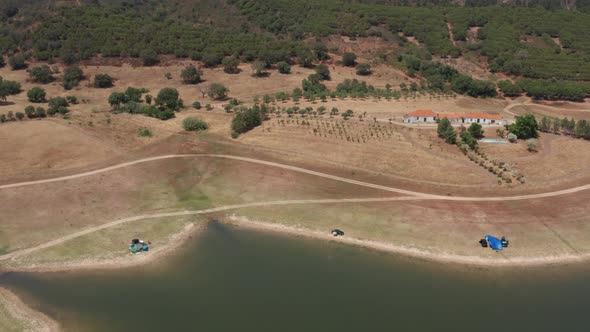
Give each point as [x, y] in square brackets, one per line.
[533, 42]
[76, 33]
[165, 104]
[579, 129]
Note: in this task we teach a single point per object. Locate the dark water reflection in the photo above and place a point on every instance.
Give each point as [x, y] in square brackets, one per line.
[238, 280]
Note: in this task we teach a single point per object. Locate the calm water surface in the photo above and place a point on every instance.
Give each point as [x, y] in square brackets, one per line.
[238, 280]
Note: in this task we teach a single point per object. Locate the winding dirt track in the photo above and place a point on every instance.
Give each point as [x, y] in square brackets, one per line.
[306, 171]
[412, 195]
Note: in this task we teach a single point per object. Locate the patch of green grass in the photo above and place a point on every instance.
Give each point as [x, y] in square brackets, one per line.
[112, 242]
[145, 132]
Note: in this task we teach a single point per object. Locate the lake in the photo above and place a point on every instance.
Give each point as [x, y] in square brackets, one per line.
[231, 279]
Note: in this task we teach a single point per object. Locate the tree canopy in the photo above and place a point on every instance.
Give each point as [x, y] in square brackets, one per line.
[8, 88]
[168, 98]
[191, 75]
[525, 127]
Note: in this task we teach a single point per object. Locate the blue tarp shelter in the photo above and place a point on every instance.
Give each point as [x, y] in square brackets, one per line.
[494, 242]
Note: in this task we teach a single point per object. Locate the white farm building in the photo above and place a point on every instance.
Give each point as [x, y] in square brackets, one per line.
[420, 116]
[428, 116]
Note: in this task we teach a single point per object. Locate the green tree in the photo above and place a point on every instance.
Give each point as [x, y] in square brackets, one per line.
[191, 75]
[363, 69]
[259, 68]
[17, 61]
[333, 111]
[103, 81]
[194, 124]
[582, 129]
[247, 119]
[545, 124]
[134, 94]
[347, 114]
[117, 98]
[323, 71]
[58, 105]
[168, 98]
[20, 115]
[212, 59]
[230, 65]
[525, 127]
[468, 139]
[556, 125]
[40, 112]
[305, 58]
[349, 59]
[8, 88]
[41, 74]
[72, 77]
[149, 57]
[509, 89]
[217, 91]
[36, 95]
[321, 52]
[284, 67]
[30, 111]
[446, 131]
[476, 131]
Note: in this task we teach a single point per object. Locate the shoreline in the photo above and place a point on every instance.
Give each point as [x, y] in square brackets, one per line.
[411, 252]
[19, 310]
[175, 242]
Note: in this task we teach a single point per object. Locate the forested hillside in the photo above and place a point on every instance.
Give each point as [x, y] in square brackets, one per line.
[536, 39]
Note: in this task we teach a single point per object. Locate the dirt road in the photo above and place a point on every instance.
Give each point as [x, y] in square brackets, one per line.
[411, 195]
[306, 171]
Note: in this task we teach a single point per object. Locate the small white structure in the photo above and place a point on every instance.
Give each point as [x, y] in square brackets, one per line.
[429, 117]
[420, 116]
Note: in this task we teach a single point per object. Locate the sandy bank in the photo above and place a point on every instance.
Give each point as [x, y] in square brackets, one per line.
[27, 318]
[176, 241]
[442, 257]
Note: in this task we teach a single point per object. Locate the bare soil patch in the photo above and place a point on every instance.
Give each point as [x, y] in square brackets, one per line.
[40, 146]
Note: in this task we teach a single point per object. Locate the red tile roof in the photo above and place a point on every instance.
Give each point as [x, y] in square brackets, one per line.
[421, 113]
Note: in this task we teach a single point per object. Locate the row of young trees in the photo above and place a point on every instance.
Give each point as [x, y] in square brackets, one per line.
[580, 129]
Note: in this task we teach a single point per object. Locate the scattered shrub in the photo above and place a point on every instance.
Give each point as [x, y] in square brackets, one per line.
[532, 145]
[36, 95]
[72, 77]
[194, 124]
[512, 138]
[191, 75]
[103, 81]
[144, 132]
[41, 74]
[283, 67]
[363, 69]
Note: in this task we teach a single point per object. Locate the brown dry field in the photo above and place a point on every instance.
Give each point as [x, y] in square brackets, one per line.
[389, 154]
